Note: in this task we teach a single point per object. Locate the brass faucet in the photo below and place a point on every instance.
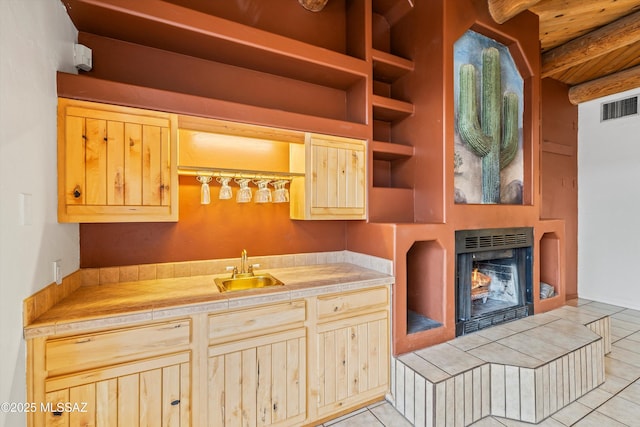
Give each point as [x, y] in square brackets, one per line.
[246, 269]
[243, 262]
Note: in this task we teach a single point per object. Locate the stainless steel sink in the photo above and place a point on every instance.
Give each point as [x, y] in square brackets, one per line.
[241, 283]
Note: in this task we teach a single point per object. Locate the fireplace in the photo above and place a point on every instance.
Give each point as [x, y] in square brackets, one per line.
[493, 277]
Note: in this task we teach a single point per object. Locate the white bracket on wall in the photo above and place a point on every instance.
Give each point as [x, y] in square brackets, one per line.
[82, 57]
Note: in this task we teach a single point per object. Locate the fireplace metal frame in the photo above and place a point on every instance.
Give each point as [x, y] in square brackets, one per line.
[485, 244]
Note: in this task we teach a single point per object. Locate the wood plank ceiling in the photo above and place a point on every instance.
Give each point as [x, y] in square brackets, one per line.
[591, 45]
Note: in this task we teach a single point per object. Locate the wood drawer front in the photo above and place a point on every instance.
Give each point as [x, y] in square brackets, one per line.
[107, 348]
[343, 304]
[255, 321]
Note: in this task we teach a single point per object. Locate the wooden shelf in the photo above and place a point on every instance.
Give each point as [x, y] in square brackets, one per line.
[190, 32]
[390, 151]
[390, 110]
[91, 89]
[388, 68]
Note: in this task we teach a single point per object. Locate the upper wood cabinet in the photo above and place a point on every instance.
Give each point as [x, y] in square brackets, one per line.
[115, 164]
[334, 186]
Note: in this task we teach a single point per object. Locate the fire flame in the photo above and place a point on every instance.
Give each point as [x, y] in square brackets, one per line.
[479, 279]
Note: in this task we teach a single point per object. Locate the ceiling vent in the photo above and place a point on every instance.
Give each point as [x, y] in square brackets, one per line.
[620, 108]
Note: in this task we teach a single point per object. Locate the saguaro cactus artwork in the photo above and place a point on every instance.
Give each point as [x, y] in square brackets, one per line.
[494, 137]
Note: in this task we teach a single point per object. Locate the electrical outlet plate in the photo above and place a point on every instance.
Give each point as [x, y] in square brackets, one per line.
[57, 271]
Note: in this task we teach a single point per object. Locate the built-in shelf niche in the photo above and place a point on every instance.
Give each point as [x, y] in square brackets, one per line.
[426, 297]
[550, 268]
[392, 185]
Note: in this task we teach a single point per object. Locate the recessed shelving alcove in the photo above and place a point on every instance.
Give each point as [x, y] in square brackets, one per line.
[392, 186]
[425, 290]
[550, 267]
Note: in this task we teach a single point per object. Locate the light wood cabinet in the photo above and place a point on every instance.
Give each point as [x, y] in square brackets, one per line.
[335, 185]
[279, 364]
[351, 350]
[138, 376]
[259, 380]
[152, 392]
[115, 164]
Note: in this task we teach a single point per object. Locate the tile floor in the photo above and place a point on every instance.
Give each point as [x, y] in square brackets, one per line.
[614, 403]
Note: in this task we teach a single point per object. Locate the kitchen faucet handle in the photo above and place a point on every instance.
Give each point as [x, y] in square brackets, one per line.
[232, 268]
[252, 266]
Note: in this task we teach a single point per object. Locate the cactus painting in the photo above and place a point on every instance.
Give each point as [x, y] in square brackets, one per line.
[488, 123]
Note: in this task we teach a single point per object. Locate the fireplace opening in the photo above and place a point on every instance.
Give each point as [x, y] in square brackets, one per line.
[493, 277]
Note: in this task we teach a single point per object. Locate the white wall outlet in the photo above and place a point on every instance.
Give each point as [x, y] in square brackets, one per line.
[57, 271]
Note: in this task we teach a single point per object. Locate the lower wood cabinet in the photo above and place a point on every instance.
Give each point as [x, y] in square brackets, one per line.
[259, 380]
[352, 362]
[283, 364]
[350, 349]
[129, 376]
[154, 392]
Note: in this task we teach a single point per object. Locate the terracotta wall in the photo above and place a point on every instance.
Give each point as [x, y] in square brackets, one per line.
[426, 35]
[219, 230]
[222, 229]
[559, 170]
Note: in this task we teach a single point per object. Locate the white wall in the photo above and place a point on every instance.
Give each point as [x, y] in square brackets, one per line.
[36, 40]
[609, 205]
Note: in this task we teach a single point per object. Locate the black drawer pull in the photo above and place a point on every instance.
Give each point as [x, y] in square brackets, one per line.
[175, 402]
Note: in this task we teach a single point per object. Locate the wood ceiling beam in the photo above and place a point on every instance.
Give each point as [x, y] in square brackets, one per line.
[609, 85]
[620, 33]
[503, 10]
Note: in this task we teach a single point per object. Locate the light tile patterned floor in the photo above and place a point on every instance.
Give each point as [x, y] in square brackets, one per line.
[614, 403]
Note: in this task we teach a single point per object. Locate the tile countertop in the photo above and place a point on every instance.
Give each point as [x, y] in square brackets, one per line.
[100, 306]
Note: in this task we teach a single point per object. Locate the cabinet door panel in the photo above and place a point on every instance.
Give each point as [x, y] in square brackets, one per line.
[82, 394]
[128, 393]
[336, 177]
[259, 385]
[96, 162]
[117, 164]
[143, 394]
[150, 407]
[151, 168]
[354, 361]
[55, 418]
[74, 160]
[133, 164]
[107, 403]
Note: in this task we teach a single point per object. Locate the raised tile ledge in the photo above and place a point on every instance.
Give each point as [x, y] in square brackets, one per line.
[427, 395]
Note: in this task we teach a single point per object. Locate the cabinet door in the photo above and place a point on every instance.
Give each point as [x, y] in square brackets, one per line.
[259, 381]
[153, 392]
[352, 361]
[335, 179]
[115, 164]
